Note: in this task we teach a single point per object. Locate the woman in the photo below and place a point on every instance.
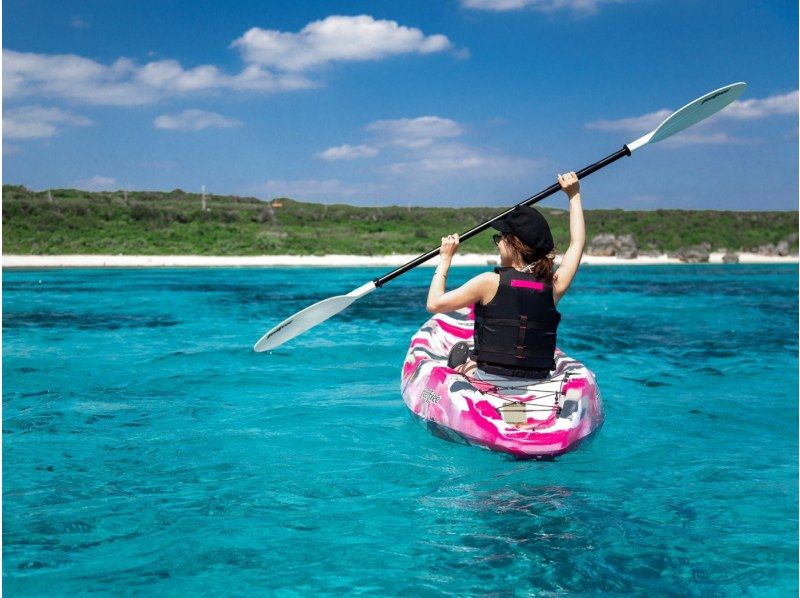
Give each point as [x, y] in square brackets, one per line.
[515, 306]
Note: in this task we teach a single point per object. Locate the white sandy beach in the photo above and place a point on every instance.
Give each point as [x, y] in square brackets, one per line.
[329, 261]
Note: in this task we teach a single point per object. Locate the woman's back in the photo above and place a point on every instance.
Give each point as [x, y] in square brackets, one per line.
[515, 332]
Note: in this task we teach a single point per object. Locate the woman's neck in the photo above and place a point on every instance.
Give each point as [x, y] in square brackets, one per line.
[514, 263]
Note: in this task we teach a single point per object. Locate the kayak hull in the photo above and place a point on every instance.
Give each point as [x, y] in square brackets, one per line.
[526, 419]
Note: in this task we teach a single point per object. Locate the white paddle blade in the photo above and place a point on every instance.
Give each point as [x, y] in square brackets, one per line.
[692, 113]
[309, 317]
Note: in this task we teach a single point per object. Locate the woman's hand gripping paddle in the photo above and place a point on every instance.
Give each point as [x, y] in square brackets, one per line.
[689, 115]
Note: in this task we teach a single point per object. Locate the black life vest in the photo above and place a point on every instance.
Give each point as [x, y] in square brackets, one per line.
[515, 333]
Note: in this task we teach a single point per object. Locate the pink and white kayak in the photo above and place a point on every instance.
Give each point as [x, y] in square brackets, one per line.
[525, 418]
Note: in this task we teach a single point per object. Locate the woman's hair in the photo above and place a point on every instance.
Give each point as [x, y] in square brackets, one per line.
[541, 267]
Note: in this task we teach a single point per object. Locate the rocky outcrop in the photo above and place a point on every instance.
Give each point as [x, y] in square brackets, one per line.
[603, 245]
[650, 253]
[626, 247]
[730, 257]
[787, 245]
[695, 254]
[784, 247]
[608, 245]
[766, 249]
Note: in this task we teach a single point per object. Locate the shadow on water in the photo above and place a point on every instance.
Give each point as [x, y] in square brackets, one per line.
[557, 539]
[88, 321]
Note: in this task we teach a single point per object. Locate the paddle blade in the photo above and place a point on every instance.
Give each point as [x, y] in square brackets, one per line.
[309, 317]
[691, 114]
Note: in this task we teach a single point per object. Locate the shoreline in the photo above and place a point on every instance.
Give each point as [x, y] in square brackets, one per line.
[330, 261]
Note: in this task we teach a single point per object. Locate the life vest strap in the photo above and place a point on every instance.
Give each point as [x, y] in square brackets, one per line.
[527, 352]
[523, 328]
[530, 325]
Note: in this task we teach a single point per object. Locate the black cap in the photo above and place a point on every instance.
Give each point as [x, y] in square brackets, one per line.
[529, 226]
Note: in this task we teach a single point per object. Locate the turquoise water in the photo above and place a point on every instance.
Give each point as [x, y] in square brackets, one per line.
[147, 450]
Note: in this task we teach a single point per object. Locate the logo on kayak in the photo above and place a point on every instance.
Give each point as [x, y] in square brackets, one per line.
[430, 397]
[279, 328]
[716, 95]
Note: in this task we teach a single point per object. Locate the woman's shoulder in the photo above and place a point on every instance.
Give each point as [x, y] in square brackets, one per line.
[488, 283]
[486, 279]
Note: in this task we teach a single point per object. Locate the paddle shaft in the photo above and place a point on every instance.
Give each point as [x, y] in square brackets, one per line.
[483, 226]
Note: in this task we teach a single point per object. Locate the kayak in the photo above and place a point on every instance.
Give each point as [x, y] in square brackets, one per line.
[528, 419]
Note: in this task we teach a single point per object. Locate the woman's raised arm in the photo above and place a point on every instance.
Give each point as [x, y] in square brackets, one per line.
[577, 236]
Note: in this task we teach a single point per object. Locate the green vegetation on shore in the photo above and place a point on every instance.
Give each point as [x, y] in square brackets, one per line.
[68, 221]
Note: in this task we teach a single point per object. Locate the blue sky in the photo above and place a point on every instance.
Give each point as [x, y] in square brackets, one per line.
[452, 103]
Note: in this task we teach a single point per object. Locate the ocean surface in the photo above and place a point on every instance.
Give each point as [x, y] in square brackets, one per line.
[147, 450]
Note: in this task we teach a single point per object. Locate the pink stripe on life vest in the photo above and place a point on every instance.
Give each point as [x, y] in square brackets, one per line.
[528, 284]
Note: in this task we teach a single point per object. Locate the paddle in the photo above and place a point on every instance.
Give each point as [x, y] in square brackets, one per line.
[690, 114]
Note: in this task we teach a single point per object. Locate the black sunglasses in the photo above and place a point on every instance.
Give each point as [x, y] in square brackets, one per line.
[496, 239]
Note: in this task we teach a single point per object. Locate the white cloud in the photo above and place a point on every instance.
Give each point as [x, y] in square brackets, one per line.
[77, 22]
[347, 152]
[194, 120]
[124, 83]
[443, 158]
[336, 38]
[700, 138]
[428, 145]
[274, 61]
[786, 103]
[98, 183]
[632, 124]
[423, 158]
[72, 77]
[704, 133]
[576, 6]
[169, 75]
[416, 132]
[37, 122]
